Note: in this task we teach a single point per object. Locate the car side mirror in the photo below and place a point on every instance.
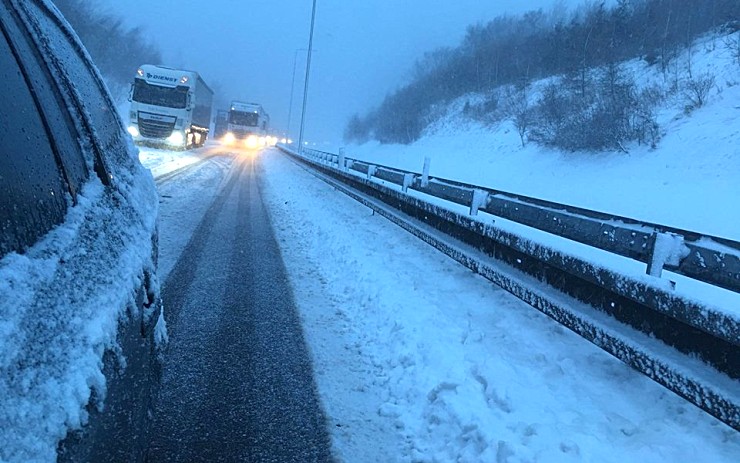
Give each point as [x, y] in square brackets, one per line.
[131, 93]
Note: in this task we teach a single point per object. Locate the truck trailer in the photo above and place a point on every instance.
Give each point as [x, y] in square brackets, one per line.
[220, 124]
[169, 107]
[248, 123]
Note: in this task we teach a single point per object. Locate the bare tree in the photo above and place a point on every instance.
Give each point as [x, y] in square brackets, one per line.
[116, 50]
[519, 110]
[644, 120]
[732, 44]
[696, 90]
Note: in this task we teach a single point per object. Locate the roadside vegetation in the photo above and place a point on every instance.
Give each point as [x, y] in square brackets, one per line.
[560, 76]
[116, 49]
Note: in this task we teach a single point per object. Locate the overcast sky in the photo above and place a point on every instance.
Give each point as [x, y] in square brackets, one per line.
[245, 49]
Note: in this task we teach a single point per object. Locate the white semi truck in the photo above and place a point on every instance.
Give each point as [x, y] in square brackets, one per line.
[169, 107]
[248, 123]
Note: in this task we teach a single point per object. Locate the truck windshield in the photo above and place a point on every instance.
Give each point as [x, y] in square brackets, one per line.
[242, 118]
[176, 97]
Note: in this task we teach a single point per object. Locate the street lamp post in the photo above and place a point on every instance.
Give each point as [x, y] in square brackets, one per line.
[308, 70]
[292, 89]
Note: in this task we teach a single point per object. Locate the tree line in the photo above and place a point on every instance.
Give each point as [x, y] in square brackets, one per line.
[592, 104]
[116, 49]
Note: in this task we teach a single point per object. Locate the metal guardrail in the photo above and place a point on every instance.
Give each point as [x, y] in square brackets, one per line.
[706, 258]
[712, 336]
[619, 235]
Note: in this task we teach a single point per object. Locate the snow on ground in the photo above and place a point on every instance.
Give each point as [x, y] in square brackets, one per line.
[690, 181]
[419, 359]
[161, 161]
[184, 200]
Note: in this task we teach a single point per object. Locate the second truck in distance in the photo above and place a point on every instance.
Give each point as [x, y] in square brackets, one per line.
[247, 123]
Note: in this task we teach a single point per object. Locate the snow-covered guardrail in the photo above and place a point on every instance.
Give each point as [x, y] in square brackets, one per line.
[647, 303]
[705, 258]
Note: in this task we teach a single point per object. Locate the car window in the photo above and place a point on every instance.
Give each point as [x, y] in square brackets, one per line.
[80, 78]
[33, 197]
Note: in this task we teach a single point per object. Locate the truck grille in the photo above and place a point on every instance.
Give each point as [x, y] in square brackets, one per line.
[242, 133]
[155, 129]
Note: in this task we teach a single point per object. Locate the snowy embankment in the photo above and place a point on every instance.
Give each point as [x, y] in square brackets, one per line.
[689, 181]
[419, 359]
[161, 162]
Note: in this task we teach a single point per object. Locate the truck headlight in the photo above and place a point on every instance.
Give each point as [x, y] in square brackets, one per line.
[133, 131]
[229, 138]
[177, 138]
[251, 142]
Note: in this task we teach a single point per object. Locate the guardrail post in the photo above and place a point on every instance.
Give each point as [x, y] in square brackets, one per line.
[425, 172]
[408, 180]
[371, 171]
[480, 198]
[340, 160]
[665, 248]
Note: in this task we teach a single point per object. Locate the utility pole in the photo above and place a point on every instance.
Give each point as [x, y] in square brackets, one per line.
[308, 70]
[292, 90]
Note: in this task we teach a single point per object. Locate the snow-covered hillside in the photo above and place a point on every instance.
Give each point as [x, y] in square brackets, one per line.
[690, 180]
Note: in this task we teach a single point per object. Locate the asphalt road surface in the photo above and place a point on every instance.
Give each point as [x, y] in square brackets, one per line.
[237, 384]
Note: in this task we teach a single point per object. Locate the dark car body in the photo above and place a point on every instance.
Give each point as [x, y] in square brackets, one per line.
[80, 317]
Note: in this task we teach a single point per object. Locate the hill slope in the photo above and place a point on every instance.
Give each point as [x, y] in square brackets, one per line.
[691, 180]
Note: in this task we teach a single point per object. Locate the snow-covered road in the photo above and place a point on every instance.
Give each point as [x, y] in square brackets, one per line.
[237, 382]
[418, 359]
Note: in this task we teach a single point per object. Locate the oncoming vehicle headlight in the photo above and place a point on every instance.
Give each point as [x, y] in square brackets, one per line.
[133, 131]
[229, 138]
[251, 141]
[177, 138]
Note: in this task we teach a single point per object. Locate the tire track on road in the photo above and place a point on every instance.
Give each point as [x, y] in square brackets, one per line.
[238, 380]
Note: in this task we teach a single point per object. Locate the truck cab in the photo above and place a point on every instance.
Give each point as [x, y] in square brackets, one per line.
[169, 108]
[248, 124]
